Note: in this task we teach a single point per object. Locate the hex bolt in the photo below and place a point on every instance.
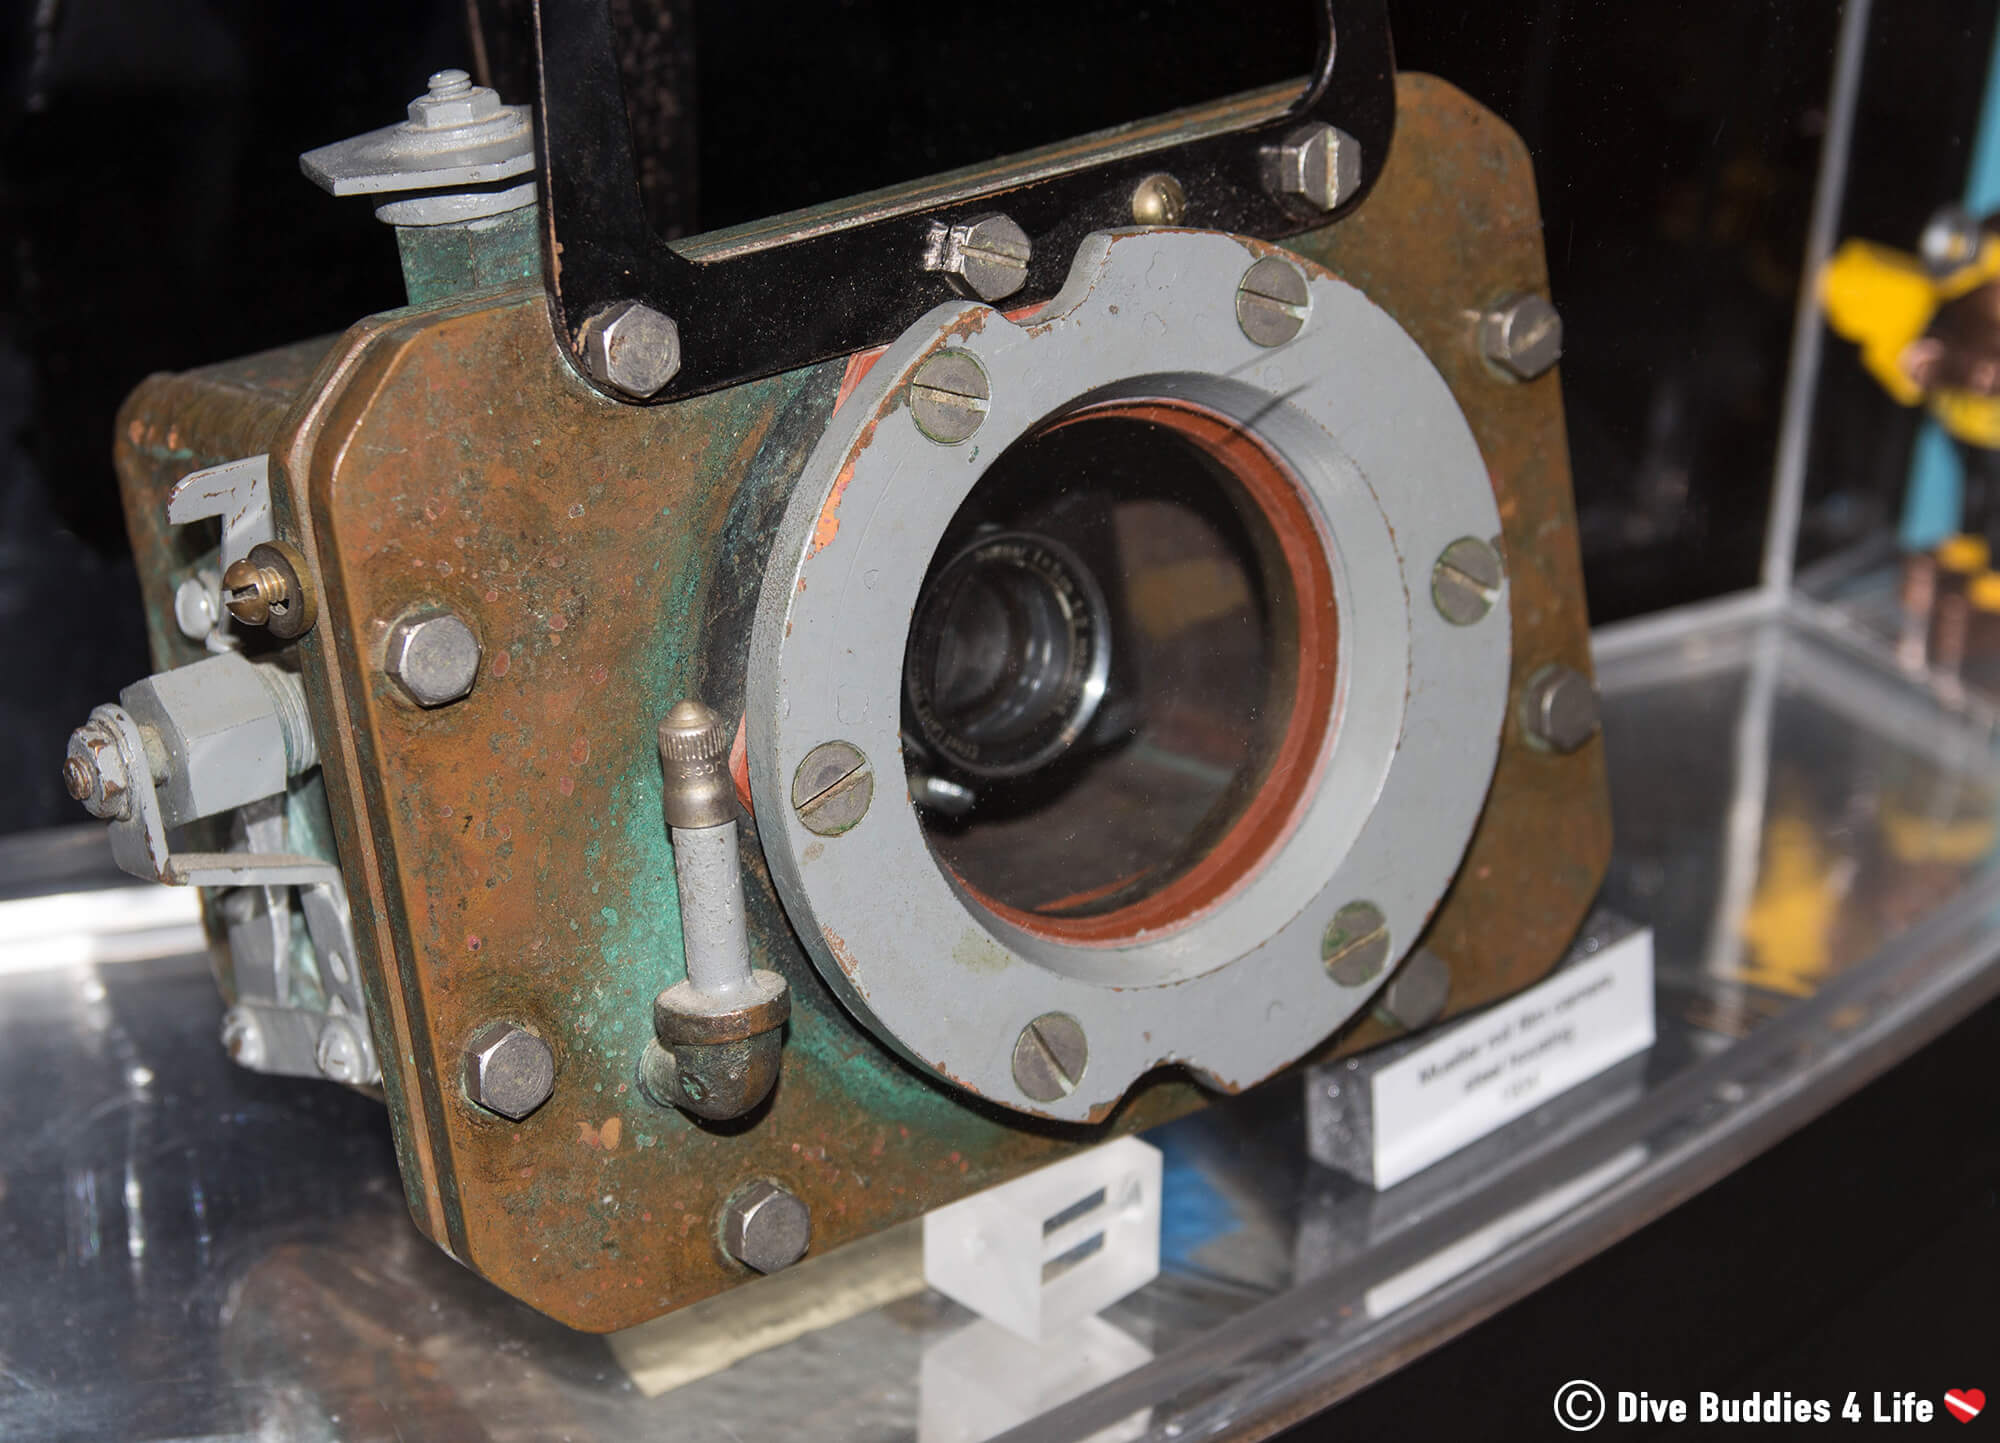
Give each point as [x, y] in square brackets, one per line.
[832, 788]
[242, 1039]
[1466, 581]
[1158, 200]
[1416, 995]
[765, 1227]
[79, 779]
[949, 396]
[1050, 1056]
[1316, 166]
[1522, 335]
[449, 84]
[1559, 708]
[1356, 944]
[433, 656]
[508, 1070]
[985, 257]
[631, 348]
[1272, 301]
[339, 1053]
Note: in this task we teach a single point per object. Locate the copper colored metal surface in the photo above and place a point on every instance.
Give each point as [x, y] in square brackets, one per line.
[1452, 227]
[504, 856]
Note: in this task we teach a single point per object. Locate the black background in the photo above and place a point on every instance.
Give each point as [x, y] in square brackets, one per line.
[153, 217]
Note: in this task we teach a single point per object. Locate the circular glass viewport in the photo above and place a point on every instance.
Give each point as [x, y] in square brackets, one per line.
[1119, 676]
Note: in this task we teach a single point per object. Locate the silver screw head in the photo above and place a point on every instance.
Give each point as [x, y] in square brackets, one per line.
[1465, 582]
[1559, 708]
[433, 656]
[1316, 166]
[509, 1070]
[949, 396]
[1272, 301]
[985, 257]
[632, 348]
[1355, 944]
[832, 788]
[339, 1053]
[1159, 199]
[97, 772]
[765, 1227]
[242, 1039]
[1416, 995]
[1050, 1056]
[1522, 335]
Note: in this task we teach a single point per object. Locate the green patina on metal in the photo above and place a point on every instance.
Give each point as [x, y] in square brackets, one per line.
[443, 261]
[507, 852]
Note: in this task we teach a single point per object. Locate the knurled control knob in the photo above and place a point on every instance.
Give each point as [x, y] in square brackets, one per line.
[694, 758]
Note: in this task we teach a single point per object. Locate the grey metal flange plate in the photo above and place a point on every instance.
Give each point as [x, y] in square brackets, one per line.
[1392, 476]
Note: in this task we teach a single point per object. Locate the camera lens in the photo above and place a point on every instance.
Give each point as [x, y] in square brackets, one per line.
[1008, 654]
[1118, 681]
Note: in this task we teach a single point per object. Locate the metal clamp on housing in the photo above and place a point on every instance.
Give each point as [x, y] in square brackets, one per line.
[718, 1033]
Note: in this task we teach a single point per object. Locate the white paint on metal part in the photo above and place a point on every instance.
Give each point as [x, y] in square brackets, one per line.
[1389, 468]
[236, 492]
[709, 874]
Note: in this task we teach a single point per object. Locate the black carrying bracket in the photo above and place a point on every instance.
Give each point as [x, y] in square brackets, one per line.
[838, 279]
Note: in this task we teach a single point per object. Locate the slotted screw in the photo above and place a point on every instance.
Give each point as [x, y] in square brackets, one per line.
[949, 395]
[1272, 301]
[1466, 581]
[832, 788]
[1050, 1056]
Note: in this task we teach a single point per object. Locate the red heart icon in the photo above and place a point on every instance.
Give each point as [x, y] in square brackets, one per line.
[1965, 1403]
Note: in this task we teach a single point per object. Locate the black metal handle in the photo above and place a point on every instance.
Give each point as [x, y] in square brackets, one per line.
[838, 279]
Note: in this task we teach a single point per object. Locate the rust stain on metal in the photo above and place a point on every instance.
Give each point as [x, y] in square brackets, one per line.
[448, 456]
[828, 525]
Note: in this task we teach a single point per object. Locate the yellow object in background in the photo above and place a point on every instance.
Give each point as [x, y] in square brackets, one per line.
[1883, 299]
[1790, 922]
[1966, 555]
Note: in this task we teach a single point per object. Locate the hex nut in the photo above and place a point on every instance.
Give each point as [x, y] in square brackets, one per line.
[509, 1070]
[433, 656]
[632, 348]
[765, 1227]
[1523, 336]
[1316, 165]
[96, 771]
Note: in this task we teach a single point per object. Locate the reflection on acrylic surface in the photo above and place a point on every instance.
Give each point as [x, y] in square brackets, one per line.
[982, 1380]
